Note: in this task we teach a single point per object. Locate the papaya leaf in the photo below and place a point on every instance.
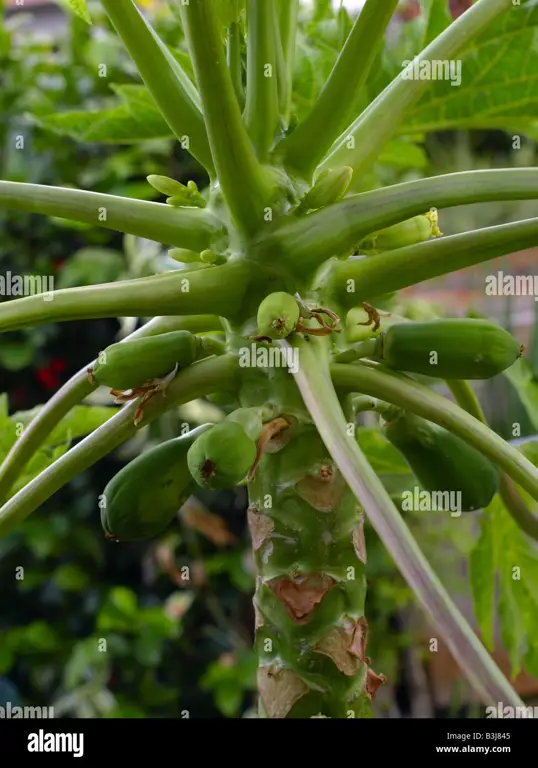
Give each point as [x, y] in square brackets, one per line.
[499, 78]
[403, 154]
[80, 421]
[512, 624]
[482, 579]
[521, 376]
[138, 100]
[110, 126]
[505, 556]
[79, 7]
[136, 119]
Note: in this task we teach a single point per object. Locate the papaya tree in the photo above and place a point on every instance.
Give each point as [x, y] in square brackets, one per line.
[288, 261]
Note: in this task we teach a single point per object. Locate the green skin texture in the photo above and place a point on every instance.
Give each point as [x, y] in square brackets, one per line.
[143, 497]
[442, 461]
[278, 315]
[132, 364]
[221, 457]
[464, 348]
[251, 419]
[415, 230]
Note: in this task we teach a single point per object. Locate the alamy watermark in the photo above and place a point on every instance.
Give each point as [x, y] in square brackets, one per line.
[418, 500]
[271, 356]
[426, 69]
[512, 285]
[10, 712]
[27, 285]
[508, 712]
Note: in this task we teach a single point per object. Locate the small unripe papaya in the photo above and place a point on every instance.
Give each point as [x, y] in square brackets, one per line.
[131, 364]
[357, 330]
[278, 315]
[222, 457]
[452, 348]
[410, 232]
[143, 497]
[250, 419]
[443, 462]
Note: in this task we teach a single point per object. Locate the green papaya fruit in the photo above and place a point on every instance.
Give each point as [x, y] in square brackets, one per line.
[143, 497]
[443, 462]
[357, 330]
[222, 457]
[131, 364]
[452, 348]
[410, 232]
[251, 419]
[278, 314]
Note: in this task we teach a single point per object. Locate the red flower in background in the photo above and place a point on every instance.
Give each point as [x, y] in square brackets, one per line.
[49, 377]
[457, 7]
[409, 10]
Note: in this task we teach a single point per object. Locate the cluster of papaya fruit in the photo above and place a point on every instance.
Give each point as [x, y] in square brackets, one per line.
[449, 349]
[143, 497]
[141, 500]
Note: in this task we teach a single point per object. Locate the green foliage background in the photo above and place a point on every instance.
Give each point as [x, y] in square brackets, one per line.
[182, 647]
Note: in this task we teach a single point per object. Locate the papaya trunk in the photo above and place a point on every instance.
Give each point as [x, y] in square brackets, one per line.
[308, 542]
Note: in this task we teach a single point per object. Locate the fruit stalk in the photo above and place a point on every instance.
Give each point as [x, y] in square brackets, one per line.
[337, 229]
[216, 290]
[191, 228]
[243, 182]
[163, 76]
[380, 120]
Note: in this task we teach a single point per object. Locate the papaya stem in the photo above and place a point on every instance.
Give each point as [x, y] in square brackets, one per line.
[262, 104]
[363, 403]
[361, 143]
[314, 382]
[216, 290]
[306, 243]
[357, 351]
[174, 94]
[244, 182]
[312, 138]
[235, 65]
[192, 228]
[413, 264]
[287, 12]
